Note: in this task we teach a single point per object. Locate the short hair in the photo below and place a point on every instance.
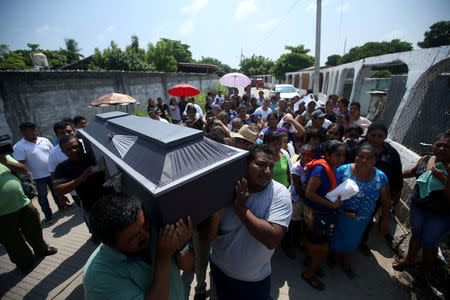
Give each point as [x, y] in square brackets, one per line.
[78, 119]
[61, 125]
[272, 137]
[340, 128]
[215, 137]
[367, 146]
[351, 127]
[273, 115]
[309, 91]
[254, 149]
[308, 146]
[356, 104]
[112, 214]
[313, 133]
[241, 107]
[191, 107]
[445, 135]
[332, 146]
[222, 114]
[26, 125]
[236, 119]
[67, 138]
[345, 101]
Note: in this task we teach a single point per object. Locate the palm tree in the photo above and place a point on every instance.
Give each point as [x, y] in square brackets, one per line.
[72, 48]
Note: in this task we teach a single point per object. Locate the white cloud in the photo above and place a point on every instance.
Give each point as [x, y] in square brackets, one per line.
[110, 28]
[345, 7]
[195, 7]
[42, 29]
[267, 25]
[244, 9]
[394, 34]
[193, 10]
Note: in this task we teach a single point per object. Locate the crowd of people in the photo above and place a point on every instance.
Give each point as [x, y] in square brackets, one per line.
[299, 151]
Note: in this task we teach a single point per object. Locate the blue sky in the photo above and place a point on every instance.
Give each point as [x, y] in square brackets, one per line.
[217, 28]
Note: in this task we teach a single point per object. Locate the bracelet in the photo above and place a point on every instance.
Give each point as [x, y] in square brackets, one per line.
[183, 251]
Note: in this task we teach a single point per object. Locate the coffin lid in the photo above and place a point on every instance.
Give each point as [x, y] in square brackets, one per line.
[164, 155]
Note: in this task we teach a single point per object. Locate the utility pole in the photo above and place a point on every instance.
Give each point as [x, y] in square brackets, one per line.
[317, 56]
[242, 55]
[345, 45]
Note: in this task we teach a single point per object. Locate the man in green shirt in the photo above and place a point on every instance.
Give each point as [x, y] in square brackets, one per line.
[134, 261]
[19, 218]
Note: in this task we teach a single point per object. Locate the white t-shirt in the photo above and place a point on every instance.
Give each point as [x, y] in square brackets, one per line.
[325, 124]
[55, 157]
[235, 251]
[264, 113]
[34, 155]
[198, 108]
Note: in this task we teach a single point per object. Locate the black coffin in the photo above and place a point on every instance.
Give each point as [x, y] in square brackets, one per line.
[174, 170]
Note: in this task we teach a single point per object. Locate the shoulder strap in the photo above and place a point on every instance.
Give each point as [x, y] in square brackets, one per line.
[328, 170]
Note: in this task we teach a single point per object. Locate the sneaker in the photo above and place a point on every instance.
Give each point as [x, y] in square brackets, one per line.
[49, 222]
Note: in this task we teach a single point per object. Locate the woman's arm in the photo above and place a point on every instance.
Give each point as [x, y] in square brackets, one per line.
[298, 186]
[412, 172]
[311, 193]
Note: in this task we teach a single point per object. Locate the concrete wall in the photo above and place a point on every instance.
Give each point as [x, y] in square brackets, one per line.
[47, 97]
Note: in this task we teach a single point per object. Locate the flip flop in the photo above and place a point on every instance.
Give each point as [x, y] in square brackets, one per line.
[398, 265]
[314, 282]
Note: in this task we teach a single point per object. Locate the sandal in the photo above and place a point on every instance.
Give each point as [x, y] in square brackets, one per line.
[398, 265]
[314, 282]
[349, 272]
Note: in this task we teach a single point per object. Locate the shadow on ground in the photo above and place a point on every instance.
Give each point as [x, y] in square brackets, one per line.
[63, 272]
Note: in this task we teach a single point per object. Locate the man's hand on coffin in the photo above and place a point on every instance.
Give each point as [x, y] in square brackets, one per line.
[85, 175]
[184, 232]
[167, 242]
[64, 200]
[241, 196]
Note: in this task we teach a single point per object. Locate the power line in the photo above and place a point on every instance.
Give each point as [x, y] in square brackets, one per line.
[277, 25]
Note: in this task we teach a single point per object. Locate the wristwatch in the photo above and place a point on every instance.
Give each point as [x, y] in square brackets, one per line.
[185, 250]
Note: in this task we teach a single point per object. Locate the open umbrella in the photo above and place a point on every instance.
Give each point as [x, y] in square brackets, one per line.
[113, 99]
[183, 89]
[235, 80]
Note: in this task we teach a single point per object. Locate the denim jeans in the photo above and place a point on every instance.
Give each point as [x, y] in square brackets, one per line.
[230, 288]
[41, 185]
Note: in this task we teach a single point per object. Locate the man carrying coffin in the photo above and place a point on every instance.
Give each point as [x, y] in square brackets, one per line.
[246, 233]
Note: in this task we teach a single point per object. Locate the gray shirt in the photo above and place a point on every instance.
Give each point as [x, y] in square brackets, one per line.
[235, 251]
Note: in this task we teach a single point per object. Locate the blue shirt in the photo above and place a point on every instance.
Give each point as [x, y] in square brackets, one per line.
[110, 274]
[323, 189]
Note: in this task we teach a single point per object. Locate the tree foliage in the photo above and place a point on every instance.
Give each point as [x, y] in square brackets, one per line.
[72, 51]
[374, 49]
[256, 65]
[295, 60]
[114, 58]
[161, 56]
[178, 50]
[438, 35]
[332, 60]
[224, 68]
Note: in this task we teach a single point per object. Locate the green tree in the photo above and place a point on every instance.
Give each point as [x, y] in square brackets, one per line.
[374, 49]
[160, 55]
[72, 51]
[297, 59]
[33, 47]
[256, 65]
[12, 61]
[332, 60]
[224, 68]
[178, 50]
[438, 35]
[113, 58]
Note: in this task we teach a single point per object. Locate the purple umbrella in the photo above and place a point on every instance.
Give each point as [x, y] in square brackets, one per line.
[235, 80]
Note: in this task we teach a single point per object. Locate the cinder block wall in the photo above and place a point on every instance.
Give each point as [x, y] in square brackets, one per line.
[46, 97]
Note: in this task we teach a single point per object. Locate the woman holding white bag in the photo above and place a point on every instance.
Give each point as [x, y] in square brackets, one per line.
[352, 217]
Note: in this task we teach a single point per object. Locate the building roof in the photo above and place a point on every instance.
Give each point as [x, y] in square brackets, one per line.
[82, 64]
[197, 68]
